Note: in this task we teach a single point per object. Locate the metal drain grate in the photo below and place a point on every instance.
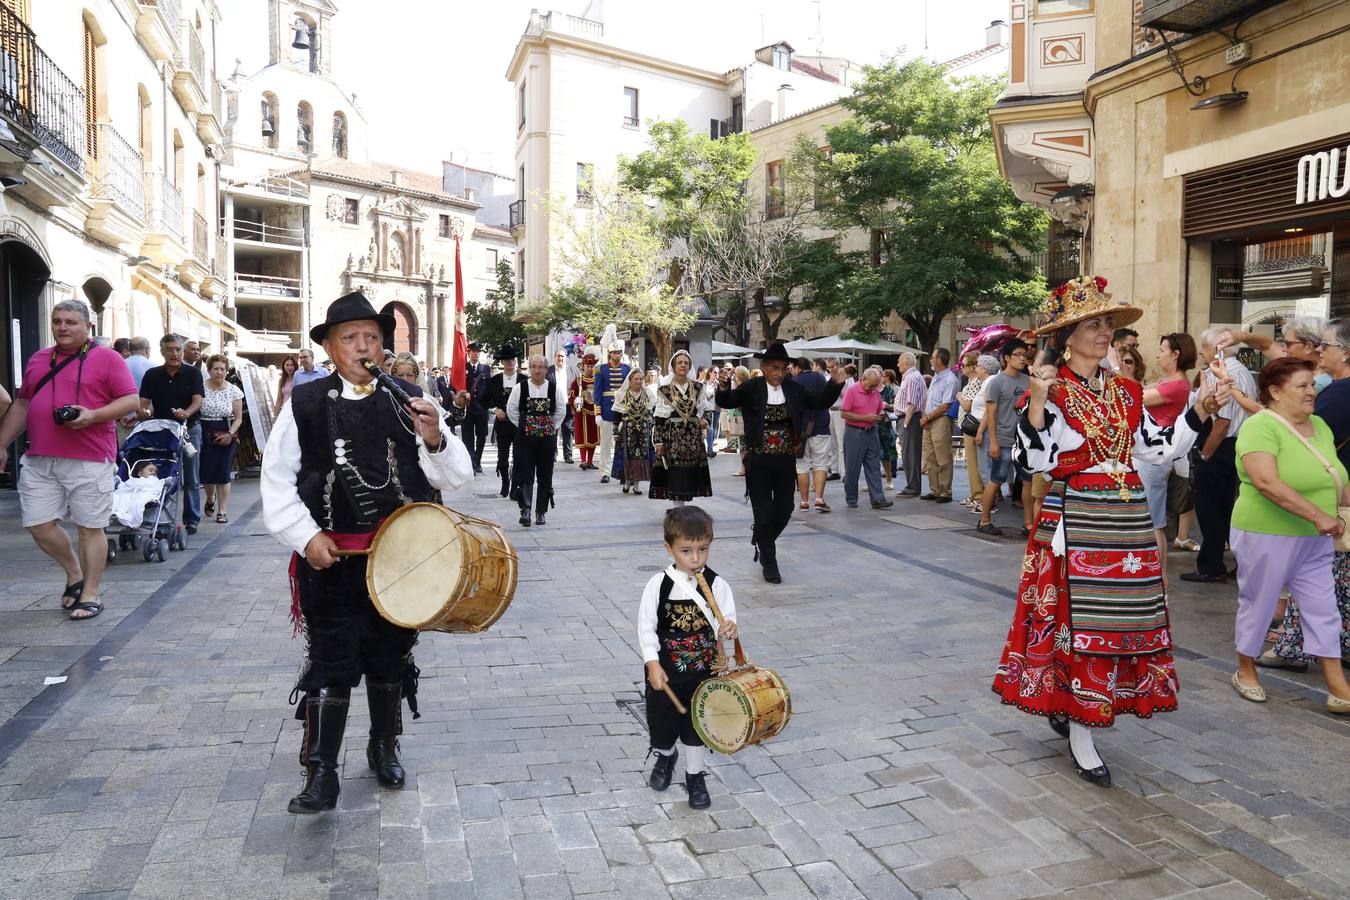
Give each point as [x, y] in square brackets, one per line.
[634, 705]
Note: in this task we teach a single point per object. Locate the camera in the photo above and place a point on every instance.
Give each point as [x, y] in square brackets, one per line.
[63, 414]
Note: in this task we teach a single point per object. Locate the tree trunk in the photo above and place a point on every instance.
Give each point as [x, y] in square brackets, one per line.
[661, 343]
[771, 331]
[927, 328]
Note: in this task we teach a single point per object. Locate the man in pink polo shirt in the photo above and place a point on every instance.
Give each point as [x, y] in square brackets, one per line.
[861, 410]
[72, 395]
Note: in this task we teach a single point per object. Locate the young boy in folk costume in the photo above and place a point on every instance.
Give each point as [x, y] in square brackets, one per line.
[678, 634]
[585, 430]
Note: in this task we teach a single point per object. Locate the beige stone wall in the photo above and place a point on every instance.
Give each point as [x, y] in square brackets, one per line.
[1148, 138]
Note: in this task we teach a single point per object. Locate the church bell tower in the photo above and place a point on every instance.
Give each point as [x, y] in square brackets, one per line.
[301, 34]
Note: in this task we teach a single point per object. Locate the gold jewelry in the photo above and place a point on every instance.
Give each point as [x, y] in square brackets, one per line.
[1101, 408]
[1068, 354]
[362, 390]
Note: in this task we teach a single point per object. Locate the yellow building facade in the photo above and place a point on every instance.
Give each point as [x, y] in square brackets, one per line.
[1202, 150]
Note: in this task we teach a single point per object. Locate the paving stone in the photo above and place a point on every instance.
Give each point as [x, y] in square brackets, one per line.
[944, 873]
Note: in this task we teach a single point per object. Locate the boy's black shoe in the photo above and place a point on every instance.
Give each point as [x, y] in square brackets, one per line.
[697, 786]
[661, 772]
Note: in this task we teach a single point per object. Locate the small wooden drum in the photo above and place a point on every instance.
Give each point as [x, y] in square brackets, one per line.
[435, 569]
[740, 708]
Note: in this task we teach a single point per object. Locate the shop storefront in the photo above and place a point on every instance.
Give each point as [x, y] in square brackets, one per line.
[1275, 230]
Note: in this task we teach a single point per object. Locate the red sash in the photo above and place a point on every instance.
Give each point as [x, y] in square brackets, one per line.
[344, 541]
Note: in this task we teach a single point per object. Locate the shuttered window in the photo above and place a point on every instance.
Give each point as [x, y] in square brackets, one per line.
[91, 89]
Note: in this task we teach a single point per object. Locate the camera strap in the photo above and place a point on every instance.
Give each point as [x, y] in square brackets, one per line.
[57, 367]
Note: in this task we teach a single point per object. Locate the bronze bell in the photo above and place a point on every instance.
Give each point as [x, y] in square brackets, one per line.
[301, 39]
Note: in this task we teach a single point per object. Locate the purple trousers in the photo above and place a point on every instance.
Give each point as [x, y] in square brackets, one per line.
[1269, 563]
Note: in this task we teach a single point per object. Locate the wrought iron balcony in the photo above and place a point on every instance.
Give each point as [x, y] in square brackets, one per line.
[194, 59]
[1058, 264]
[166, 205]
[218, 261]
[115, 171]
[1190, 16]
[37, 96]
[200, 239]
[168, 13]
[517, 213]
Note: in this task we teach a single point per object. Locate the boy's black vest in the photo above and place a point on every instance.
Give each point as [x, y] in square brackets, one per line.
[687, 640]
[377, 440]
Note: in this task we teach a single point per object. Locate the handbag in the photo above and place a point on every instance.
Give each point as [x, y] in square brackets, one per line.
[970, 426]
[1342, 542]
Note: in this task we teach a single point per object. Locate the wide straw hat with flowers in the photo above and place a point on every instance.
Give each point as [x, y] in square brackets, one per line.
[1084, 298]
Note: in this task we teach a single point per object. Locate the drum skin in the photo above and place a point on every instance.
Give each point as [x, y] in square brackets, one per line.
[740, 708]
[434, 569]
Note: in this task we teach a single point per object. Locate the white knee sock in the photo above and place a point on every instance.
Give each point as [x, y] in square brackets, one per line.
[677, 503]
[693, 759]
[669, 751]
[1080, 742]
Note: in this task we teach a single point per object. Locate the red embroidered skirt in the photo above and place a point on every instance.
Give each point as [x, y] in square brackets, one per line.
[1042, 672]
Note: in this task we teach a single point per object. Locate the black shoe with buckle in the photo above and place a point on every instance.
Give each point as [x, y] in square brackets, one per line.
[664, 768]
[697, 786]
[1100, 776]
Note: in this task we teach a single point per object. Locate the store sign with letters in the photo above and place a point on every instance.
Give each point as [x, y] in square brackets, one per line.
[1323, 174]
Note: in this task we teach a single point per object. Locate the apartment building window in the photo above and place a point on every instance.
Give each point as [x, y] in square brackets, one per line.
[585, 183]
[351, 211]
[491, 256]
[737, 114]
[445, 227]
[630, 106]
[773, 189]
[1059, 7]
[520, 105]
[93, 77]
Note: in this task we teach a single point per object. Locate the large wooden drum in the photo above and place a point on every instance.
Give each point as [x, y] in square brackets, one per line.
[740, 708]
[435, 569]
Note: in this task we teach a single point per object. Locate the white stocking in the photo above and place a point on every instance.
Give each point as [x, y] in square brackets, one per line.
[1080, 742]
[677, 503]
[669, 751]
[693, 759]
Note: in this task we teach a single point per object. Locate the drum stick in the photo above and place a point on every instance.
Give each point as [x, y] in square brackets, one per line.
[675, 701]
[351, 552]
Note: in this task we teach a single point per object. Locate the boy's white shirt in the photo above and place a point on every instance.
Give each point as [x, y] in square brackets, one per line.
[685, 588]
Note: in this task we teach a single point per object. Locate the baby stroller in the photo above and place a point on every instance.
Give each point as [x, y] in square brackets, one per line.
[160, 530]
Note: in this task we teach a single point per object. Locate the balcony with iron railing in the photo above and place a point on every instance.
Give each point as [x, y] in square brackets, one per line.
[221, 257]
[517, 213]
[115, 171]
[267, 233]
[201, 239]
[273, 186]
[189, 78]
[1058, 264]
[37, 96]
[266, 287]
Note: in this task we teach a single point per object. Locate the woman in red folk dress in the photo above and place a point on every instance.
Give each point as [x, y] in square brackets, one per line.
[1090, 637]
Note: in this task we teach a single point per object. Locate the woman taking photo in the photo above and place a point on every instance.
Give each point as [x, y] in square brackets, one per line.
[976, 375]
[222, 415]
[289, 366]
[634, 406]
[1285, 524]
[683, 413]
[1090, 638]
[1165, 399]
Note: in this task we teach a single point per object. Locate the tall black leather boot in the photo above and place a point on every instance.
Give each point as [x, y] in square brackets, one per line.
[325, 720]
[386, 724]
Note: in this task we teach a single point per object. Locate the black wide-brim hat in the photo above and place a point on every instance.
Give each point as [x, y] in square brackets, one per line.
[387, 323]
[507, 352]
[776, 351]
[352, 308]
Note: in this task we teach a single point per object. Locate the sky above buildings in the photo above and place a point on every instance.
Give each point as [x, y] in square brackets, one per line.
[430, 75]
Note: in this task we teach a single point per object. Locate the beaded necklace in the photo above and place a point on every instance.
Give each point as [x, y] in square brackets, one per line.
[1101, 408]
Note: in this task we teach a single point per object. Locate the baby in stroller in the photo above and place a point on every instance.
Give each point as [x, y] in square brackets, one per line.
[132, 495]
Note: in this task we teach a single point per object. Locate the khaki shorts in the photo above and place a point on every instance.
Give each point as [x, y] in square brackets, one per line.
[52, 488]
[1040, 486]
[819, 454]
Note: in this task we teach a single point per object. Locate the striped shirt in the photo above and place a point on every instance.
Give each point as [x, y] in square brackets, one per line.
[912, 391]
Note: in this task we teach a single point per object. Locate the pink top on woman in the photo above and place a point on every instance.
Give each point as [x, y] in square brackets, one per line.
[1175, 393]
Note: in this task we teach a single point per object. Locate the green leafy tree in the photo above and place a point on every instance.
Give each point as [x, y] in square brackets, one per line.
[492, 323]
[915, 168]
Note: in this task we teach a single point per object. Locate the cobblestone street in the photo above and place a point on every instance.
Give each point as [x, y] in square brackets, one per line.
[162, 765]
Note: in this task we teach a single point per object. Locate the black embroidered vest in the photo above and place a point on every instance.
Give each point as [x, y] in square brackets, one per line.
[358, 458]
[536, 413]
[688, 641]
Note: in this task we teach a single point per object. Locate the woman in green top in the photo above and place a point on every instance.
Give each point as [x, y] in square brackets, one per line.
[1284, 526]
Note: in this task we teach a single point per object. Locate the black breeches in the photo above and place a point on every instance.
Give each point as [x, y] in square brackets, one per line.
[665, 725]
[771, 484]
[505, 434]
[1216, 486]
[534, 465]
[345, 638]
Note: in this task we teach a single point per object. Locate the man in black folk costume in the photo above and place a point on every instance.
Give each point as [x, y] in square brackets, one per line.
[774, 409]
[344, 454]
[504, 428]
[536, 407]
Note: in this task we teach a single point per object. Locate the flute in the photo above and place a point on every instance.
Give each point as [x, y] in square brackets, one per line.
[389, 382]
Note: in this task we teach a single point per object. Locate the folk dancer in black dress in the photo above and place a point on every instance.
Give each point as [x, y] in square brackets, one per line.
[683, 415]
[504, 428]
[774, 412]
[537, 407]
[634, 407]
[343, 455]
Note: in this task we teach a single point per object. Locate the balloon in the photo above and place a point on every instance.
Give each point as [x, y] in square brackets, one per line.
[989, 338]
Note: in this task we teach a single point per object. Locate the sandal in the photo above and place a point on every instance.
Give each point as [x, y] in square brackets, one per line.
[93, 607]
[1187, 544]
[222, 518]
[209, 508]
[803, 505]
[822, 506]
[73, 591]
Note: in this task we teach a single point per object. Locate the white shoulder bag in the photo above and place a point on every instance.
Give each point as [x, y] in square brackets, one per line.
[1342, 542]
